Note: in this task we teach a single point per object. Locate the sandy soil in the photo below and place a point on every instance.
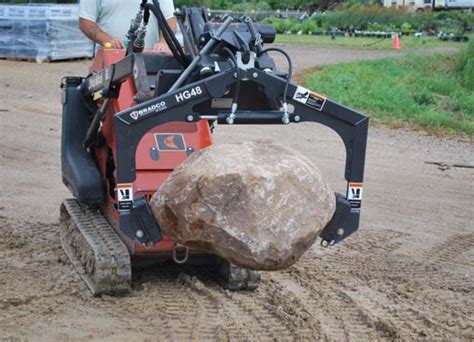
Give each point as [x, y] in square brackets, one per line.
[407, 274]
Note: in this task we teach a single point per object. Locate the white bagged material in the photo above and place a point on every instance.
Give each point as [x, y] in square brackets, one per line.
[42, 32]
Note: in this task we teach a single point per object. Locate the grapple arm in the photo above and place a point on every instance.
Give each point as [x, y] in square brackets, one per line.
[180, 105]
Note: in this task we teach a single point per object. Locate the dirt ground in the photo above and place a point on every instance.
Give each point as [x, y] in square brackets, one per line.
[407, 274]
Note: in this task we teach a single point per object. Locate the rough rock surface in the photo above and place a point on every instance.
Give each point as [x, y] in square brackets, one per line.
[258, 205]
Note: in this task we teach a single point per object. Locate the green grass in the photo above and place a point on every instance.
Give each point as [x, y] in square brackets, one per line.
[406, 43]
[416, 90]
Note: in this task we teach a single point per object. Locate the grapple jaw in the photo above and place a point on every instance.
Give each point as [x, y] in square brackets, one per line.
[339, 227]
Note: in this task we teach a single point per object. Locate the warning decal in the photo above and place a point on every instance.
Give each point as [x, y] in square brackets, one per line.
[170, 142]
[125, 196]
[354, 195]
[309, 98]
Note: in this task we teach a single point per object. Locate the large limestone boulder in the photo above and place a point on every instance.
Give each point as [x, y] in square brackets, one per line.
[258, 205]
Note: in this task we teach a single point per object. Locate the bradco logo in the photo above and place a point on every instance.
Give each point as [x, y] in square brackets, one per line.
[157, 107]
[169, 142]
[187, 94]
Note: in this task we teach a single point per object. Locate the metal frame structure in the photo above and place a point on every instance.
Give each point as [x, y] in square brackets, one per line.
[350, 125]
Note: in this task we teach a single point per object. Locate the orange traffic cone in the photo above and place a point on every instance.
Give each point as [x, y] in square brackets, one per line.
[396, 42]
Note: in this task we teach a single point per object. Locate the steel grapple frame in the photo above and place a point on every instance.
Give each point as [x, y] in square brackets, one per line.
[350, 125]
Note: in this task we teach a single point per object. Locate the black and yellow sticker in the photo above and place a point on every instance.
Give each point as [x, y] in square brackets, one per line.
[125, 196]
[354, 195]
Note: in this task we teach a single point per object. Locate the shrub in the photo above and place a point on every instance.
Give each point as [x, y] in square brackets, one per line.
[309, 26]
[282, 25]
[379, 18]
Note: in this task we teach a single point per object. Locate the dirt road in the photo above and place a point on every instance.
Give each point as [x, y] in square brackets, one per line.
[407, 274]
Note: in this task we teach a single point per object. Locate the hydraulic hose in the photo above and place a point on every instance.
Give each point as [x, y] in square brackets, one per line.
[167, 28]
[210, 45]
[168, 34]
[135, 24]
[138, 43]
[234, 61]
[288, 79]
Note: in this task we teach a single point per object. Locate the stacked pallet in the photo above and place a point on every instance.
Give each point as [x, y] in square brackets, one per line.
[42, 32]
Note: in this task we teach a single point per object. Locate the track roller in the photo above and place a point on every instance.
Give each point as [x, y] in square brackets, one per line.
[237, 278]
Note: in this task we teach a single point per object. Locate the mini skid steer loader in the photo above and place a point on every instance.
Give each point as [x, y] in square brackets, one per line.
[139, 114]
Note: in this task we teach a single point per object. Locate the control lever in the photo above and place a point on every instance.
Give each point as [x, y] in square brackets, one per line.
[210, 45]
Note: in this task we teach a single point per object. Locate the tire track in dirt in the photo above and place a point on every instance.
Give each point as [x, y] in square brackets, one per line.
[243, 312]
[329, 296]
[266, 323]
[339, 317]
[290, 308]
[31, 257]
[348, 295]
[230, 324]
[186, 316]
[451, 252]
[408, 307]
[343, 293]
[198, 289]
[163, 302]
[268, 312]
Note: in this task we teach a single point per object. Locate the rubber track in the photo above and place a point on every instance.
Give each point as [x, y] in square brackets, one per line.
[94, 248]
